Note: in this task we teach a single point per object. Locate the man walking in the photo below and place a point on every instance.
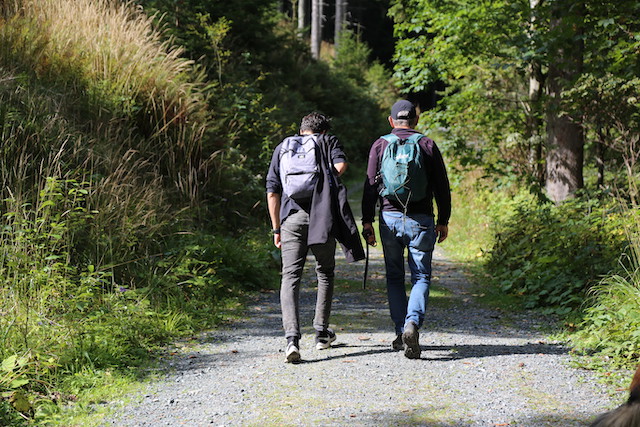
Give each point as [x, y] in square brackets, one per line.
[405, 172]
[309, 210]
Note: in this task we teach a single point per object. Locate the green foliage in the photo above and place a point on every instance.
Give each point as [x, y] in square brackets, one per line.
[105, 153]
[67, 319]
[487, 54]
[612, 318]
[352, 57]
[480, 52]
[204, 271]
[611, 322]
[475, 205]
[269, 83]
[611, 109]
[551, 255]
[352, 62]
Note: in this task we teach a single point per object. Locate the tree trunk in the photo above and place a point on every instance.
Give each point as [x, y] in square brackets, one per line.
[534, 120]
[565, 138]
[565, 157]
[341, 6]
[316, 28]
[302, 15]
[534, 123]
[601, 151]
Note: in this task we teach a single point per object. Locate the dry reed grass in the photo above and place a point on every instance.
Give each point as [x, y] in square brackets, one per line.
[111, 50]
[126, 66]
[117, 44]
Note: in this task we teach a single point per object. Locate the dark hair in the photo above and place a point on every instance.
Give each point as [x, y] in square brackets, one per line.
[315, 122]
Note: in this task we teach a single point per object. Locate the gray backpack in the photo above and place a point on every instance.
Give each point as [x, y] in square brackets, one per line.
[299, 166]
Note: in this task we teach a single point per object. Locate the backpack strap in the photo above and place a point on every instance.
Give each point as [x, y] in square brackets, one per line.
[415, 137]
[390, 137]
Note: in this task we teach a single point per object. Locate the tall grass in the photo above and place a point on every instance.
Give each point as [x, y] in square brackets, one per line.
[611, 325]
[474, 211]
[116, 47]
[102, 125]
[115, 71]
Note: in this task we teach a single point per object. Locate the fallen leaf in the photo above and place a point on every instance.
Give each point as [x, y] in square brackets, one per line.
[20, 401]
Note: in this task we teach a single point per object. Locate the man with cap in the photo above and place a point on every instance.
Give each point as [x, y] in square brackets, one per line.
[410, 225]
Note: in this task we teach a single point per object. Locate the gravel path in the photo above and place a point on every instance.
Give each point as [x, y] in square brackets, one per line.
[479, 367]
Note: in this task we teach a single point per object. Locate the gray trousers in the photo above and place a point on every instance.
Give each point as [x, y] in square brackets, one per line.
[294, 254]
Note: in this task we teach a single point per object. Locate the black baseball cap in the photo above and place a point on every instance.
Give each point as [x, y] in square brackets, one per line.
[403, 110]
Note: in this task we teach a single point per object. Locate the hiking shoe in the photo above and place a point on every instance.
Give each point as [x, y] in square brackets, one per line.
[324, 339]
[293, 351]
[410, 339]
[397, 344]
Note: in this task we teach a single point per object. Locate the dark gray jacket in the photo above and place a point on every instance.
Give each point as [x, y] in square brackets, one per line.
[329, 210]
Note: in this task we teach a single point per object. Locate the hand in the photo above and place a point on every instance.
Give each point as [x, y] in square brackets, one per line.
[442, 231]
[369, 234]
[276, 240]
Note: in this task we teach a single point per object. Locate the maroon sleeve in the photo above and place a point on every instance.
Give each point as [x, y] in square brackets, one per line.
[439, 182]
[370, 193]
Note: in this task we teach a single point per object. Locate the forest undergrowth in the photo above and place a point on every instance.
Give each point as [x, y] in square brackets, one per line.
[134, 148]
[132, 201]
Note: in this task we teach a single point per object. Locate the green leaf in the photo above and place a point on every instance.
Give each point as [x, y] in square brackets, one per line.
[9, 363]
[20, 401]
[18, 382]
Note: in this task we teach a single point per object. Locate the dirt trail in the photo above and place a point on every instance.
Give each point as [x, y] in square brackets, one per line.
[479, 367]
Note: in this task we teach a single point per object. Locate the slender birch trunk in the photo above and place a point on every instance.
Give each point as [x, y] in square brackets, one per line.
[341, 6]
[316, 28]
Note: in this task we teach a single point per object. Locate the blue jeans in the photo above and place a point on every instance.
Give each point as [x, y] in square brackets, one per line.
[417, 233]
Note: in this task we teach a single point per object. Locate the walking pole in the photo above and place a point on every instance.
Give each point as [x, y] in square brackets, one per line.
[366, 234]
[366, 268]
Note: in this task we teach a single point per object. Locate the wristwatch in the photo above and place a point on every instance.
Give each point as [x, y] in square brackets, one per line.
[276, 231]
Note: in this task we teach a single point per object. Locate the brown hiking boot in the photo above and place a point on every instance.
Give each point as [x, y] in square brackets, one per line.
[410, 338]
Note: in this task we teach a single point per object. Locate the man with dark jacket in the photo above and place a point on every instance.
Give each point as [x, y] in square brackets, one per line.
[313, 222]
[408, 225]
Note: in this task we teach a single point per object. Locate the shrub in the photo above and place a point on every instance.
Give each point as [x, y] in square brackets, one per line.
[611, 324]
[201, 271]
[550, 255]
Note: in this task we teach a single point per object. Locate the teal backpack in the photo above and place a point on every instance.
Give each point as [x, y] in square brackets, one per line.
[402, 170]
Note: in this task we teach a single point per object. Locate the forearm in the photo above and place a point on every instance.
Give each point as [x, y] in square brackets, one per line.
[273, 205]
[341, 167]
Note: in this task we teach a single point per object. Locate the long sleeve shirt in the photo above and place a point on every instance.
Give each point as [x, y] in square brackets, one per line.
[437, 182]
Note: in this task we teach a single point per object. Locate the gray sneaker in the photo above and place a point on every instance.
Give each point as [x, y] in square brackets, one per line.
[410, 338]
[397, 344]
[324, 339]
[293, 351]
